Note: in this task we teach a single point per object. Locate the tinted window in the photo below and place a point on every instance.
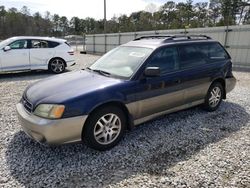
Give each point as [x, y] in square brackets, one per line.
[19, 44]
[214, 51]
[191, 55]
[53, 44]
[166, 59]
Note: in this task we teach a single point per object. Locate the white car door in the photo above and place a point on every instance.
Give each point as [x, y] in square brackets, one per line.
[17, 58]
[40, 54]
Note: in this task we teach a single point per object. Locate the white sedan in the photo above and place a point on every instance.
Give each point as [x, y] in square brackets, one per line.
[35, 53]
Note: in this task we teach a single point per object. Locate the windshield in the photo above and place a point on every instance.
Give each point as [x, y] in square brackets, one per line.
[5, 42]
[122, 61]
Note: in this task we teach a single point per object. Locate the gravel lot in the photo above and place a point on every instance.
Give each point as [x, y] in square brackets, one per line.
[191, 148]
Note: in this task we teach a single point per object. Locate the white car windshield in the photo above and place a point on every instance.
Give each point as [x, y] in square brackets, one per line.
[122, 61]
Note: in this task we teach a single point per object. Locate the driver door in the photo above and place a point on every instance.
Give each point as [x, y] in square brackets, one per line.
[158, 94]
[17, 58]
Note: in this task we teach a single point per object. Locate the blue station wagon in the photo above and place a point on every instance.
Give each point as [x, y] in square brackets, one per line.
[133, 83]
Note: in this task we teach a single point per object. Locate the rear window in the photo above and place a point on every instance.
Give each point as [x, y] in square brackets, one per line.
[53, 44]
[201, 53]
[214, 51]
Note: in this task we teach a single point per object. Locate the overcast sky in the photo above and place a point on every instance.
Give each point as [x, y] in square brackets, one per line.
[83, 8]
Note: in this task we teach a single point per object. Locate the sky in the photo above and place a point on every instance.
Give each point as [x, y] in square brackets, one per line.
[83, 8]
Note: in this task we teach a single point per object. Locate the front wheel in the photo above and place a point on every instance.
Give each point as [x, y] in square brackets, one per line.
[105, 128]
[214, 97]
[57, 66]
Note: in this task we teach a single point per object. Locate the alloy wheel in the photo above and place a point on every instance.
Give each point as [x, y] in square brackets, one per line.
[215, 97]
[107, 129]
[57, 66]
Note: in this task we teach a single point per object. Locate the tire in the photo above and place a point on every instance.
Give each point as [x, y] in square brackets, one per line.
[105, 128]
[214, 97]
[57, 66]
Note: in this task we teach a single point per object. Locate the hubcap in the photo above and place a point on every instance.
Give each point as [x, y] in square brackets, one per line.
[215, 97]
[57, 66]
[107, 129]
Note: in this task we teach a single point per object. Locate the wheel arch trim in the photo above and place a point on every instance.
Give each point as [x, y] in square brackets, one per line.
[53, 58]
[117, 103]
[223, 83]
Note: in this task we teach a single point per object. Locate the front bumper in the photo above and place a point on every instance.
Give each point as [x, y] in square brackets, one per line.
[54, 132]
[230, 84]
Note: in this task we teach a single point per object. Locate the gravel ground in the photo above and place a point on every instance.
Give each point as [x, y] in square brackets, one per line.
[191, 148]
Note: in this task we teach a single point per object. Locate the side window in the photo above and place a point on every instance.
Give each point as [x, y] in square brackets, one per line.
[216, 52]
[19, 44]
[39, 44]
[191, 56]
[53, 44]
[166, 59]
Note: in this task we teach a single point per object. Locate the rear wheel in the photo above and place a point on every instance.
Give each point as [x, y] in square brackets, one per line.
[105, 128]
[57, 66]
[214, 97]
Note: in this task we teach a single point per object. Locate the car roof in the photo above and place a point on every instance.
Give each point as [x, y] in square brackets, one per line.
[39, 38]
[159, 40]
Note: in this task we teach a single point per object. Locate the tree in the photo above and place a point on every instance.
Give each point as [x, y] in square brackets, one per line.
[75, 24]
[2, 20]
[168, 15]
[201, 15]
[25, 11]
[126, 24]
[56, 24]
[48, 25]
[214, 12]
[244, 11]
[64, 25]
[229, 10]
[171, 15]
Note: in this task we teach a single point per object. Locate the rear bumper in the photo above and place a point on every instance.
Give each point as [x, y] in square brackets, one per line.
[230, 84]
[52, 132]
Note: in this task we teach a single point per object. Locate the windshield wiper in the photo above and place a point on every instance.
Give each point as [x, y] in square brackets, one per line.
[100, 71]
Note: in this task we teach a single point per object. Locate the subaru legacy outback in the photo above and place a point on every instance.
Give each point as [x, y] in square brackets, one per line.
[133, 83]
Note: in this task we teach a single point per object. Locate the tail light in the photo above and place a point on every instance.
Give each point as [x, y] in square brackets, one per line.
[71, 53]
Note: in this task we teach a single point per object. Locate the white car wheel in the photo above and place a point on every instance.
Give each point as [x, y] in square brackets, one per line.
[57, 66]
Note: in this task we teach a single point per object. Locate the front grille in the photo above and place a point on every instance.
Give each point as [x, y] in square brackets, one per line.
[27, 105]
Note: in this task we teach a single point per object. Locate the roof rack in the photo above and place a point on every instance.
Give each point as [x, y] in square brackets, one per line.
[173, 37]
[153, 37]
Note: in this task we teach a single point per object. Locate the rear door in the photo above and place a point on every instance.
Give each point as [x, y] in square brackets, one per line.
[17, 58]
[198, 66]
[40, 53]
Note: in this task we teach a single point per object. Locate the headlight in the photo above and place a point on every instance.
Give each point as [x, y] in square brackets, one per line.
[51, 111]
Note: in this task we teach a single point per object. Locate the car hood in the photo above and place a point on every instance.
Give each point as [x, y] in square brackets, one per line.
[63, 87]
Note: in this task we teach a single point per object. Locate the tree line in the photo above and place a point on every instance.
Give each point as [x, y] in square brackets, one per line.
[171, 15]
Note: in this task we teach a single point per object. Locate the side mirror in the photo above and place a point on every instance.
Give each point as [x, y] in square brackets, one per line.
[152, 71]
[6, 48]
